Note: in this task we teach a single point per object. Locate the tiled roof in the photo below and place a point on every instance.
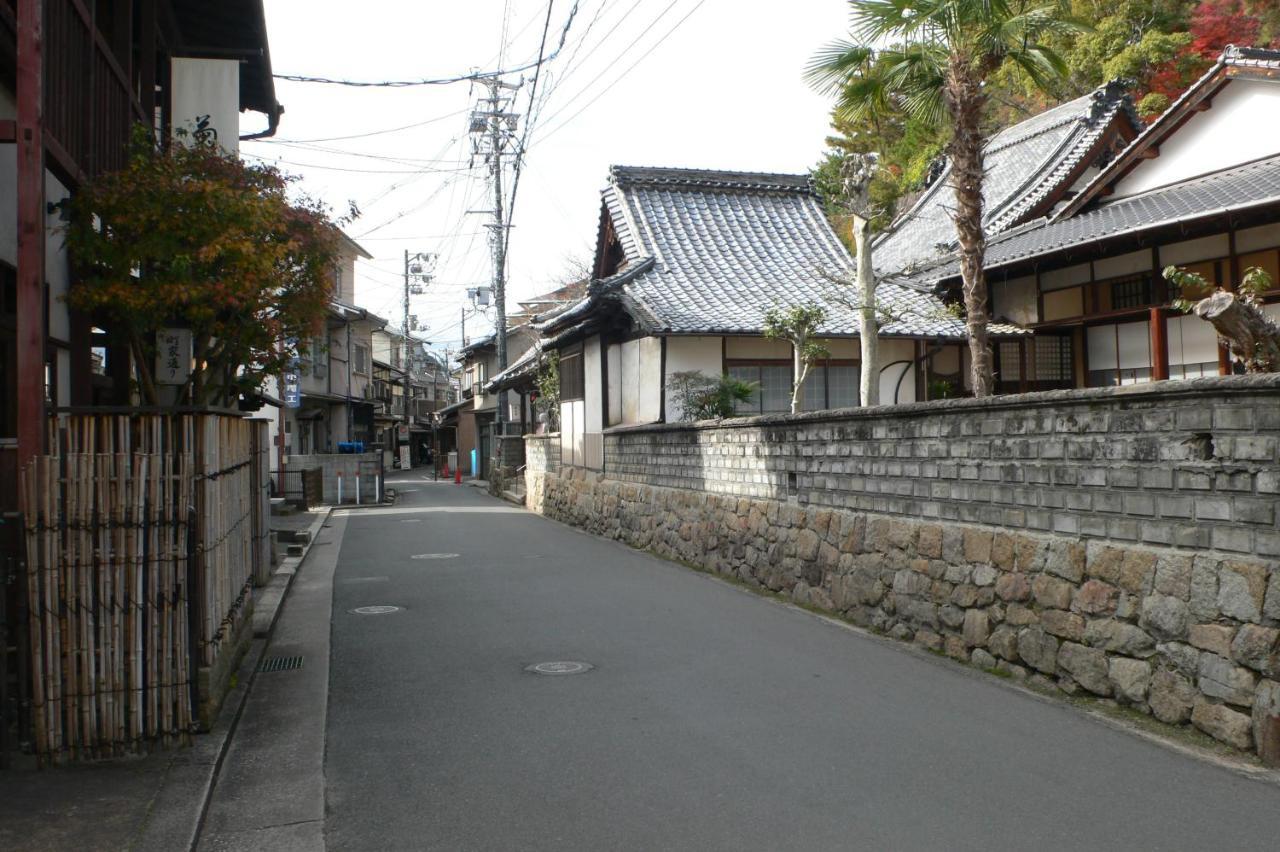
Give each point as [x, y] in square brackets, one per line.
[1250, 59]
[713, 251]
[1024, 164]
[1233, 189]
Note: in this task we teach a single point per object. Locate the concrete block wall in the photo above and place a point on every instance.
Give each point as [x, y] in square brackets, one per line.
[1193, 464]
[349, 464]
[828, 509]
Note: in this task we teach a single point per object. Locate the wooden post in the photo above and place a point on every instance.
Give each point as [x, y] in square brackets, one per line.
[1159, 346]
[30, 212]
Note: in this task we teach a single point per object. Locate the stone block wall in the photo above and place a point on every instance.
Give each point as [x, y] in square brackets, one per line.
[542, 457]
[1189, 464]
[830, 511]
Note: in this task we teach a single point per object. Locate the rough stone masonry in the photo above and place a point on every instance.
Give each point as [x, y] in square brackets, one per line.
[1114, 542]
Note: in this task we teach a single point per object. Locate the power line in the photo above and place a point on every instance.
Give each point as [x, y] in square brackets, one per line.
[617, 79]
[354, 171]
[473, 76]
[368, 134]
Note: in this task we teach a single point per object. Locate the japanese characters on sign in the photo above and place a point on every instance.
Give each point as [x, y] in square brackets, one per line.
[290, 384]
[173, 356]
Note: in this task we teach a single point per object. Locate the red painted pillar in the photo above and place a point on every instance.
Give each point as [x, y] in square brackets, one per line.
[31, 216]
[1159, 346]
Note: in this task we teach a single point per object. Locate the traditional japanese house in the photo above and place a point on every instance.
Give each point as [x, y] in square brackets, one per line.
[1198, 189]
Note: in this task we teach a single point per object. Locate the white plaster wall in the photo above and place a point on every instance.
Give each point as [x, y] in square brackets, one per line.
[896, 350]
[614, 357]
[650, 403]
[592, 389]
[756, 347]
[630, 373]
[1189, 251]
[1122, 264]
[1056, 279]
[843, 348]
[1261, 237]
[1243, 125]
[1015, 299]
[685, 354]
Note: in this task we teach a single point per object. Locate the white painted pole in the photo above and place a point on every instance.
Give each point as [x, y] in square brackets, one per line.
[339, 488]
[357, 488]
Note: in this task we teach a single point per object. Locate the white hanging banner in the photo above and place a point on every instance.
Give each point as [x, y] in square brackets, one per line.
[206, 100]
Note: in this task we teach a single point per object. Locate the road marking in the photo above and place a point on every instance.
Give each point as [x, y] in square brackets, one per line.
[374, 610]
[425, 510]
[365, 580]
[435, 556]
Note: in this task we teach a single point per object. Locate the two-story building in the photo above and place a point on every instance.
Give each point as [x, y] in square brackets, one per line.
[75, 78]
[336, 371]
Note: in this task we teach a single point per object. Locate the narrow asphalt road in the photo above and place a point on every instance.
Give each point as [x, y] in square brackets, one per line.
[712, 719]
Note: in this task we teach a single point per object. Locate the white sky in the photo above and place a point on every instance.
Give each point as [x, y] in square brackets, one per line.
[721, 90]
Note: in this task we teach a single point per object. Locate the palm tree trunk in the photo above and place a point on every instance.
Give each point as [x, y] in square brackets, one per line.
[965, 99]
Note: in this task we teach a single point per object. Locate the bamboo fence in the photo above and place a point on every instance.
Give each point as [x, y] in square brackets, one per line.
[140, 561]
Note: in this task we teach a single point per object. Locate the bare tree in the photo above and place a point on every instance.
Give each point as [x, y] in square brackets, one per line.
[856, 174]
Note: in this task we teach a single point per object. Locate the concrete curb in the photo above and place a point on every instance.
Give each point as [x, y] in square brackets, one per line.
[177, 811]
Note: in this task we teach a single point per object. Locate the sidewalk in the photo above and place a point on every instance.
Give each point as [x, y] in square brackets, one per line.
[152, 802]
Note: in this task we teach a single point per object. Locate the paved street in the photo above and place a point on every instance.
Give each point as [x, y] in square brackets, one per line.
[713, 719]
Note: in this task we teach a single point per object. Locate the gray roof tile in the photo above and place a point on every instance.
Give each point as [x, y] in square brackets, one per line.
[1238, 188]
[1024, 164]
[725, 247]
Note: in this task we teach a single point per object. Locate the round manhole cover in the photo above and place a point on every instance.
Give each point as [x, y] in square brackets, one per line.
[562, 667]
[375, 610]
[435, 556]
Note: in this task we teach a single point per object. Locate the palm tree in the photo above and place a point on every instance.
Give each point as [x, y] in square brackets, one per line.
[938, 57]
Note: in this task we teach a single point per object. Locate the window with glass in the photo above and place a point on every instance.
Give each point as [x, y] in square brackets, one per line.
[832, 384]
[773, 386]
[572, 381]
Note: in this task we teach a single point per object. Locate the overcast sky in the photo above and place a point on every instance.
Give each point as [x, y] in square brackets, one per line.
[721, 88]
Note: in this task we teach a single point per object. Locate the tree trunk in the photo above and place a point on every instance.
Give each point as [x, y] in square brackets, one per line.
[869, 385]
[1253, 337]
[800, 371]
[965, 100]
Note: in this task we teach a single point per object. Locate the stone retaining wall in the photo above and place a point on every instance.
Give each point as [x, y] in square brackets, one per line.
[830, 511]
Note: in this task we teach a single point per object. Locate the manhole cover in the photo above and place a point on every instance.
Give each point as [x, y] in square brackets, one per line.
[435, 556]
[375, 610]
[563, 667]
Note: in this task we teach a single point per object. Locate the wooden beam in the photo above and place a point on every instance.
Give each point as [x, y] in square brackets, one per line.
[1203, 106]
[1150, 153]
[31, 215]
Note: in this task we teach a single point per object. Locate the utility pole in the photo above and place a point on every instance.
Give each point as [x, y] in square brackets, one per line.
[493, 131]
[416, 267]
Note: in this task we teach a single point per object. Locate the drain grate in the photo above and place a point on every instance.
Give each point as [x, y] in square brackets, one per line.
[280, 664]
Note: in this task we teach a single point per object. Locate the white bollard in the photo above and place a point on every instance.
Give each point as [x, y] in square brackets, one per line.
[339, 488]
[357, 489]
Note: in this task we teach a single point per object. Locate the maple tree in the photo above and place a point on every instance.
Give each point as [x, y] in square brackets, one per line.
[192, 237]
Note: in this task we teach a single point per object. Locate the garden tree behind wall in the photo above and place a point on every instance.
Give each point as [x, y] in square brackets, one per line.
[939, 57]
[192, 237]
